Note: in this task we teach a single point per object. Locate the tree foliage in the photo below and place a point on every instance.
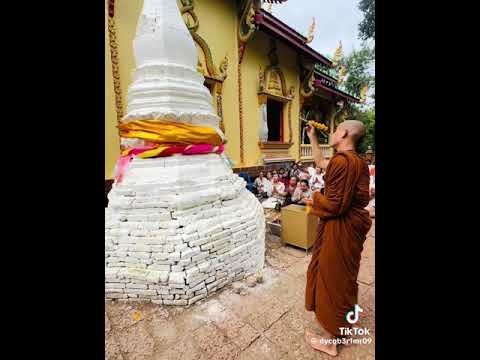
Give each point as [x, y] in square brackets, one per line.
[359, 65]
[366, 27]
[368, 118]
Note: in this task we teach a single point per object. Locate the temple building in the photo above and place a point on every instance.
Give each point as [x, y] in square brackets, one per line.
[263, 76]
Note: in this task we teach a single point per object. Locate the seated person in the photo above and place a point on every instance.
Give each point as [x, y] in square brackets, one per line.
[293, 171]
[262, 186]
[269, 176]
[283, 175]
[302, 193]
[278, 189]
[292, 186]
[316, 181]
[303, 173]
[371, 205]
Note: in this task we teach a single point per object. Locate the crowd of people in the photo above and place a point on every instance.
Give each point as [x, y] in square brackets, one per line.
[283, 187]
[288, 186]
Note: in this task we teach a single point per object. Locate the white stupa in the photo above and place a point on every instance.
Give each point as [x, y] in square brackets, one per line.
[177, 228]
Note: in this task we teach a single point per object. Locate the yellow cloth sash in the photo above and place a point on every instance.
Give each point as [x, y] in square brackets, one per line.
[169, 132]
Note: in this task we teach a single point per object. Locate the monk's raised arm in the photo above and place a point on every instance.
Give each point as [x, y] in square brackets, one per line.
[317, 153]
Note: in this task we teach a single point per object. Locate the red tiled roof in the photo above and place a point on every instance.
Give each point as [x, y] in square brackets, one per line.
[319, 84]
[274, 26]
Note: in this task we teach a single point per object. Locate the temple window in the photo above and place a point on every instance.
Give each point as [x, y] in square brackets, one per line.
[275, 120]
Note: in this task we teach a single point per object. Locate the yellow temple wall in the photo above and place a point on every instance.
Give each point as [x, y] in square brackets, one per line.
[112, 141]
[126, 16]
[256, 55]
[218, 27]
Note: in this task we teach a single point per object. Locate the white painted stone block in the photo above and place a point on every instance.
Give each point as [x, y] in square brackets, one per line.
[200, 257]
[156, 277]
[116, 296]
[114, 285]
[196, 298]
[204, 266]
[136, 286]
[175, 302]
[210, 280]
[199, 242]
[114, 291]
[195, 280]
[160, 267]
[177, 278]
[142, 292]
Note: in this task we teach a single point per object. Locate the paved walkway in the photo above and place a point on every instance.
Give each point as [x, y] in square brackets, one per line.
[266, 321]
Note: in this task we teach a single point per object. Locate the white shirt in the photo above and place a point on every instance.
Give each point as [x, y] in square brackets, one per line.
[317, 182]
[262, 184]
[280, 187]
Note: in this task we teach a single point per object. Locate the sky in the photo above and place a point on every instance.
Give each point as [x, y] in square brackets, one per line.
[335, 20]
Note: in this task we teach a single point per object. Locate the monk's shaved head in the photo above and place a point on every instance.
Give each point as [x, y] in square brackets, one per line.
[355, 128]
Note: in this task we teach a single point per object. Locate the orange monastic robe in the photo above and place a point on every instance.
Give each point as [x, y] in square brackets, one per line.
[332, 288]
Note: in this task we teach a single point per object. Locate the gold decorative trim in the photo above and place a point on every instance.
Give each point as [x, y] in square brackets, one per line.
[223, 68]
[240, 113]
[266, 95]
[188, 12]
[219, 91]
[241, 51]
[112, 35]
[246, 26]
[207, 53]
[292, 95]
[275, 145]
[268, 80]
[307, 89]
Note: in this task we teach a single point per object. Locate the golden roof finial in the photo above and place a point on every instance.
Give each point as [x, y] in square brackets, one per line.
[223, 66]
[363, 94]
[342, 72]
[311, 32]
[337, 56]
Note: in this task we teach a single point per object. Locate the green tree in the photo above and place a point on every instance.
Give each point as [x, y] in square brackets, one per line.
[358, 65]
[359, 70]
[366, 27]
[368, 118]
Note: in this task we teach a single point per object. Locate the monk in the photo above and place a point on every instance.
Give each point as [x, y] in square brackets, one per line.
[332, 289]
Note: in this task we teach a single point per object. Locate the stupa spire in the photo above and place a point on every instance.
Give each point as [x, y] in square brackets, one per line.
[166, 84]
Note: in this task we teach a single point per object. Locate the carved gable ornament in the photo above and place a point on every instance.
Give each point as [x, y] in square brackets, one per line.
[272, 80]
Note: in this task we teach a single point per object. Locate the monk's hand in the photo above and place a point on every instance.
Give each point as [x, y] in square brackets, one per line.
[311, 132]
